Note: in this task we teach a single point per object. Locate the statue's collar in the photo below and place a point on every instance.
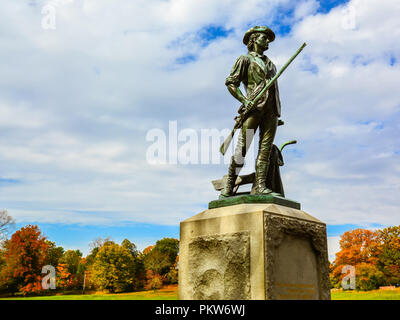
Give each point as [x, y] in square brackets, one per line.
[261, 56]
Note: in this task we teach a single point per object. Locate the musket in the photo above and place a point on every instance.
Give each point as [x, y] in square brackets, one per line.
[245, 114]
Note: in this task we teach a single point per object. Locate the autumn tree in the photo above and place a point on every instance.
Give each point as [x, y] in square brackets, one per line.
[168, 246]
[25, 255]
[131, 247]
[154, 280]
[54, 253]
[157, 262]
[148, 249]
[113, 268]
[2, 259]
[389, 256]
[368, 276]
[70, 270]
[139, 270]
[3, 245]
[72, 260]
[95, 246]
[359, 248]
[172, 275]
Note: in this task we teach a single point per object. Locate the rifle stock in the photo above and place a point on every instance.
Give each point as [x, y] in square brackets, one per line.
[227, 142]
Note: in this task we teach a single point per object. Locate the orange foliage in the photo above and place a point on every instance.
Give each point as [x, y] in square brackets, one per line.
[65, 279]
[25, 256]
[154, 280]
[176, 264]
[148, 249]
[359, 248]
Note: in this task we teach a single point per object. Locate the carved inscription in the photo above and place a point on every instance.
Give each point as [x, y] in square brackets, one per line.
[295, 291]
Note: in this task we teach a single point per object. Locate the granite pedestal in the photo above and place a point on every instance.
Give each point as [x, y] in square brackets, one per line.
[253, 248]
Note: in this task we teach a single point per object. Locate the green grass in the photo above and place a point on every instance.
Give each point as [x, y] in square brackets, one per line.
[171, 293]
[100, 297]
[164, 294]
[367, 295]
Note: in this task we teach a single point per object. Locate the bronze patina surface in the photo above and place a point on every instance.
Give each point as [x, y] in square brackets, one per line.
[260, 110]
[248, 198]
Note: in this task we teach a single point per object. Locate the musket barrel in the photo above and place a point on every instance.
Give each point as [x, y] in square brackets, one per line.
[278, 74]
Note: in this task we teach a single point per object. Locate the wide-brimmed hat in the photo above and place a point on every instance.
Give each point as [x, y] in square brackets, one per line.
[263, 29]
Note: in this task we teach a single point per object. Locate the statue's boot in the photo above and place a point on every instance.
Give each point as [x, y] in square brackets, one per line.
[233, 173]
[261, 177]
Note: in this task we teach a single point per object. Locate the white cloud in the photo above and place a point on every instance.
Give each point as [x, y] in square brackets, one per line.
[21, 116]
[77, 102]
[333, 247]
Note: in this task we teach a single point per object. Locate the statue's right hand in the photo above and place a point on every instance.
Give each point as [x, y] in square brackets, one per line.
[248, 105]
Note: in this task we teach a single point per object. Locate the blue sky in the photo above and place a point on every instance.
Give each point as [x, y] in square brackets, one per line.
[77, 102]
[80, 236]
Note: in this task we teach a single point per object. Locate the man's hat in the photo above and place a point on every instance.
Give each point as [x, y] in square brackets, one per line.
[263, 29]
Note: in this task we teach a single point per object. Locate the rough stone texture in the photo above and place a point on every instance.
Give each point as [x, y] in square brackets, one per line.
[220, 266]
[217, 226]
[253, 251]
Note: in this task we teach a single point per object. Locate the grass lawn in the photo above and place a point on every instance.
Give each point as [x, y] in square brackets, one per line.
[168, 293]
[367, 295]
[171, 293]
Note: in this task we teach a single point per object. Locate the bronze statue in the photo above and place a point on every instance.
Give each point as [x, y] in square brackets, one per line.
[260, 109]
[273, 177]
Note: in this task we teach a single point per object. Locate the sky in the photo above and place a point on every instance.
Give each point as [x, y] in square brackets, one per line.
[83, 82]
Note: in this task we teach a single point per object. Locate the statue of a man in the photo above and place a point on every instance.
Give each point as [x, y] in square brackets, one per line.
[254, 70]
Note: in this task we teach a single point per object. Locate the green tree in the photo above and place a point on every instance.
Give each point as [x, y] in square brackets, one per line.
[172, 276]
[168, 246]
[72, 259]
[157, 262]
[113, 268]
[389, 257]
[368, 277]
[95, 246]
[54, 253]
[131, 247]
[138, 267]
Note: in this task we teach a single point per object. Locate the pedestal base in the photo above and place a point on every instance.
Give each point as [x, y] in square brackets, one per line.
[253, 251]
[253, 198]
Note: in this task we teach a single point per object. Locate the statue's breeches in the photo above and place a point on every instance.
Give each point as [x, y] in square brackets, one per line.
[267, 123]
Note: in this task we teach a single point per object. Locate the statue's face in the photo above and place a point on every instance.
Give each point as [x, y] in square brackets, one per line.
[262, 41]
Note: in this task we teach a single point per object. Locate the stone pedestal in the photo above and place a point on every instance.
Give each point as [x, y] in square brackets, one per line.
[253, 251]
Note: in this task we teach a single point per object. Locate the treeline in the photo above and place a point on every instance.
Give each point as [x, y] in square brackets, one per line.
[109, 267]
[375, 255]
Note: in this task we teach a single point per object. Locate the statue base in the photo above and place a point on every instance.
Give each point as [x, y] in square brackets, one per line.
[257, 251]
[253, 198]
